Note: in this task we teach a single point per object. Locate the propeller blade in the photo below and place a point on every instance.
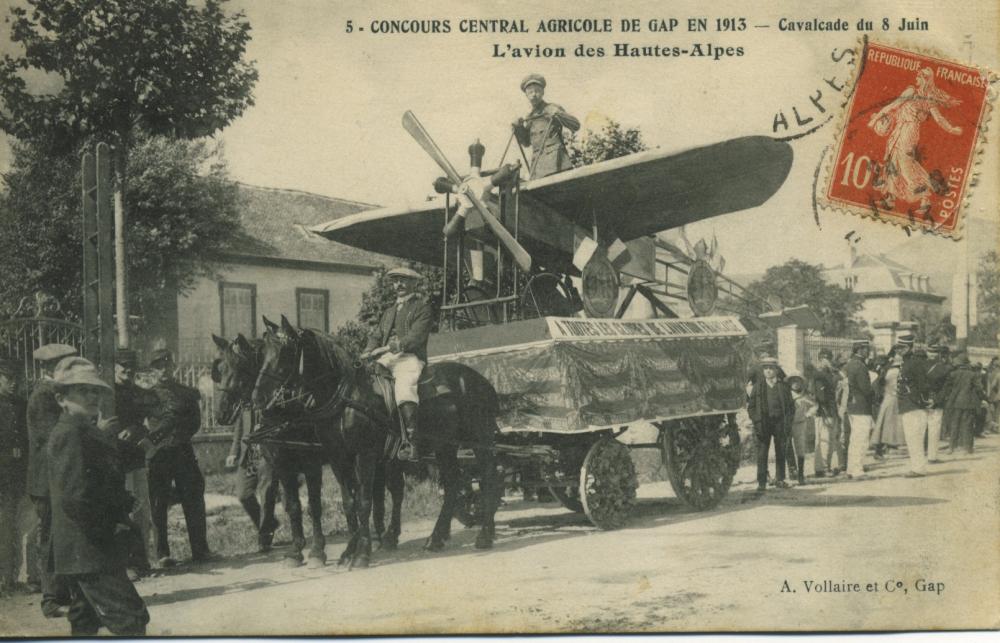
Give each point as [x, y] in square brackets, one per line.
[420, 135]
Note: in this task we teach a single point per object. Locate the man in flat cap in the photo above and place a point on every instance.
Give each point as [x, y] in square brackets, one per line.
[400, 344]
[90, 508]
[542, 129]
[13, 471]
[173, 419]
[860, 402]
[937, 378]
[772, 411]
[43, 413]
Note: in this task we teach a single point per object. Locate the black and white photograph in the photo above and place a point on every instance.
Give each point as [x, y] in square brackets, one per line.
[497, 318]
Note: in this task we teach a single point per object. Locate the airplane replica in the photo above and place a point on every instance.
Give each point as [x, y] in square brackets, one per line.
[570, 380]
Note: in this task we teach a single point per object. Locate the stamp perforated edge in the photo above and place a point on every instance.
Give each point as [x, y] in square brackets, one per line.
[975, 160]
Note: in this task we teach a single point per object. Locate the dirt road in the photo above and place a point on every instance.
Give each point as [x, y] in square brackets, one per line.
[889, 552]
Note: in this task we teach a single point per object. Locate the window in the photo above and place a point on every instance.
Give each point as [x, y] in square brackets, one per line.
[238, 304]
[313, 308]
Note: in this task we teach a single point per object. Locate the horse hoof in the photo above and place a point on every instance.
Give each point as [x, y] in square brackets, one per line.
[292, 563]
[316, 563]
[484, 542]
[434, 544]
[361, 562]
[388, 545]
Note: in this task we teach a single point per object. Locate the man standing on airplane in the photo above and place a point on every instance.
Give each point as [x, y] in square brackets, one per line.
[542, 129]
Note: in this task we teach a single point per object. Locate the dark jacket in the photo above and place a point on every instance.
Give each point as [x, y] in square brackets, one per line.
[43, 413]
[411, 323]
[132, 403]
[824, 390]
[912, 389]
[861, 396]
[757, 402]
[964, 389]
[937, 382]
[13, 444]
[88, 497]
[175, 415]
[542, 130]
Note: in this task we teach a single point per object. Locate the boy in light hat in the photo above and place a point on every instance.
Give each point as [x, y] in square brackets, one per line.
[90, 508]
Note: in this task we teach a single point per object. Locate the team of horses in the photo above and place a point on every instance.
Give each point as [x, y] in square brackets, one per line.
[317, 404]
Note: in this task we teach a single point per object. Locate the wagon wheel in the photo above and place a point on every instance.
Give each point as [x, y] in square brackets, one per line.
[608, 483]
[702, 455]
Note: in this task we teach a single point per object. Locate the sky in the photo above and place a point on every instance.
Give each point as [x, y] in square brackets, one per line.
[328, 103]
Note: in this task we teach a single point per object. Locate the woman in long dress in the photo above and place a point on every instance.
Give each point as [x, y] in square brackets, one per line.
[902, 176]
[888, 427]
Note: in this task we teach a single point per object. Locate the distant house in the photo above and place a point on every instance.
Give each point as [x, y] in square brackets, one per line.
[273, 267]
[890, 291]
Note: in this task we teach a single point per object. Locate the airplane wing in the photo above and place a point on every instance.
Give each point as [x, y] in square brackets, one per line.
[649, 192]
[411, 231]
[629, 197]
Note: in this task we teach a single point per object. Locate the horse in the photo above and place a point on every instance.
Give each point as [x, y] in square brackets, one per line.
[315, 364]
[235, 372]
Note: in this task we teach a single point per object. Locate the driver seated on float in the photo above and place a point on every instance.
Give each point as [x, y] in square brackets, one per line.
[399, 343]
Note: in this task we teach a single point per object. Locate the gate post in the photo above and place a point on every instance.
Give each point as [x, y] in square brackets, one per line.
[792, 348]
[98, 266]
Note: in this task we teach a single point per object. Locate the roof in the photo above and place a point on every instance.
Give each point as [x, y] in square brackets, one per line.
[878, 275]
[275, 226]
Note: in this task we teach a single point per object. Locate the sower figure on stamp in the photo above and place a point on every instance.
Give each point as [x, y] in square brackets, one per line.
[860, 405]
[937, 379]
[174, 419]
[256, 487]
[772, 411]
[542, 130]
[13, 471]
[90, 508]
[400, 344]
[43, 413]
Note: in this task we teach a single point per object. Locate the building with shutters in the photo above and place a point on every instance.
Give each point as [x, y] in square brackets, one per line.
[274, 267]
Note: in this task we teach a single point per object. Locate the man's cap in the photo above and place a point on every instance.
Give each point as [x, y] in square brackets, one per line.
[77, 371]
[858, 344]
[825, 352]
[9, 367]
[940, 349]
[160, 357]
[767, 360]
[51, 352]
[126, 357]
[905, 340]
[404, 272]
[533, 79]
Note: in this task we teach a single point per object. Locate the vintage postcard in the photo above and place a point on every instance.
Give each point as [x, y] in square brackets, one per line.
[513, 317]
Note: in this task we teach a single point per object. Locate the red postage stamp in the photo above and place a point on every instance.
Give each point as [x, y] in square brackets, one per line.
[906, 147]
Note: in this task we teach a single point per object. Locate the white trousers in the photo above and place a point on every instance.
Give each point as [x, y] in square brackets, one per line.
[861, 427]
[827, 445]
[406, 369]
[934, 417]
[914, 428]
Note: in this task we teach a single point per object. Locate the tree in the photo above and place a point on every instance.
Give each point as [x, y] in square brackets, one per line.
[183, 207]
[164, 66]
[611, 142]
[987, 300]
[796, 282]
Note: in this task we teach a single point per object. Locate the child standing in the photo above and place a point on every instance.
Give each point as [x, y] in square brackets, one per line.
[805, 408]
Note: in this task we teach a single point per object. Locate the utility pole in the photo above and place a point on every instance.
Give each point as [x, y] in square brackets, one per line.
[98, 267]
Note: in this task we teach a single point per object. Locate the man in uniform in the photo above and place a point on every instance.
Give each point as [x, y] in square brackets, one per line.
[912, 393]
[860, 402]
[824, 389]
[43, 413]
[937, 377]
[542, 130]
[13, 471]
[175, 417]
[400, 344]
[90, 508]
[965, 397]
[772, 411]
